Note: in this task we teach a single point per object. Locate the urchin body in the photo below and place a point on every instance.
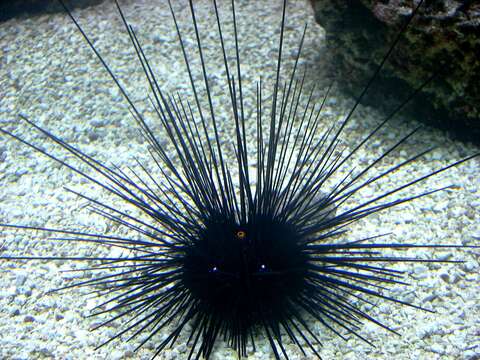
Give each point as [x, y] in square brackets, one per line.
[246, 273]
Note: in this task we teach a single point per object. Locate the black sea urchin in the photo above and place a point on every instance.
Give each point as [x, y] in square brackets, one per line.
[238, 238]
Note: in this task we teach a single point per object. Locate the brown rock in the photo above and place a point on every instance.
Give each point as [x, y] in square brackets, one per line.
[15, 8]
[443, 39]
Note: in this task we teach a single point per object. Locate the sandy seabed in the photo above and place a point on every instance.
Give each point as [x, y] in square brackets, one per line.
[48, 73]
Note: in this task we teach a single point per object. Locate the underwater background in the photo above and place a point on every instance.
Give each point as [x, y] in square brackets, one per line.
[48, 73]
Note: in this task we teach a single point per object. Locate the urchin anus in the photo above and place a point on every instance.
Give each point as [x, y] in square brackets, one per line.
[231, 242]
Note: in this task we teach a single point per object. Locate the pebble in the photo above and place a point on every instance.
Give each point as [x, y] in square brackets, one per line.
[20, 279]
[93, 135]
[438, 349]
[21, 172]
[98, 123]
[471, 355]
[28, 319]
[117, 355]
[420, 269]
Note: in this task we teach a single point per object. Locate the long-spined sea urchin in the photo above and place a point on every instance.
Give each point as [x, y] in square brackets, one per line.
[256, 242]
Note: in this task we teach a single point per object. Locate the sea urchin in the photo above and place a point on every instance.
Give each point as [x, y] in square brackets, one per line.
[228, 249]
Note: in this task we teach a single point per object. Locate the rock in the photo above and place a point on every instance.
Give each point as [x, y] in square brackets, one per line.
[28, 319]
[98, 123]
[3, 154]
[442, 39]
[13, 8]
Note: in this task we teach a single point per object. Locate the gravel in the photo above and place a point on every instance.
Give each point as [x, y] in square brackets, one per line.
[49, 74]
